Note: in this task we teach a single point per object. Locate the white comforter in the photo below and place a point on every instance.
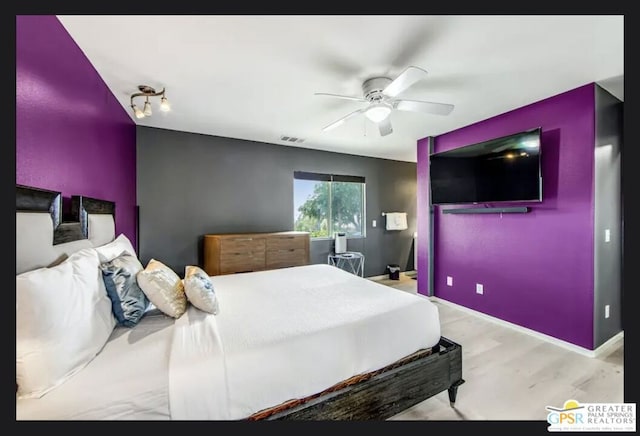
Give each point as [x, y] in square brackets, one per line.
[127, 380]
[289, 333]
[280, 334]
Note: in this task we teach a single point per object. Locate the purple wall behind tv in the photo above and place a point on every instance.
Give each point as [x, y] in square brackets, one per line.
[72, 135]
[537, 268]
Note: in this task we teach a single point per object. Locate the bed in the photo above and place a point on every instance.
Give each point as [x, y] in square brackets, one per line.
[310, 342]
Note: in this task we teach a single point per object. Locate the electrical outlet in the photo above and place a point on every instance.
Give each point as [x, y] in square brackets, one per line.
[373, 223]
[449, 281]
[479, 289]
[607, 235]
[606, 311]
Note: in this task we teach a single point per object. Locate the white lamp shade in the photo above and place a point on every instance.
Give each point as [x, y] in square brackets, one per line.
[137, 112]
[378, 112]
[164, 105]
[147, 109]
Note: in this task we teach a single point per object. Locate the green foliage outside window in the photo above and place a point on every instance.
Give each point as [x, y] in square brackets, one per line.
[332, 207]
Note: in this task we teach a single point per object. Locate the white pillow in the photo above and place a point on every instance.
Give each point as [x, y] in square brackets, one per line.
[163, 288]
[199, 289]
[113, 249]
[63, 319]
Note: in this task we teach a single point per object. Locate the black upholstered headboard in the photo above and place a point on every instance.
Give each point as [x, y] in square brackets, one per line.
[82, 207]
[43, 236]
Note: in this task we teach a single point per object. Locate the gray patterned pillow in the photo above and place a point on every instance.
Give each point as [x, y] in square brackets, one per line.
[128, 302]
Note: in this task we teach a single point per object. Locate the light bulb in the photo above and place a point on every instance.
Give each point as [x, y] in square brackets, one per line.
[147, 108]
[137, 112]
[164, 104]
[378, 112]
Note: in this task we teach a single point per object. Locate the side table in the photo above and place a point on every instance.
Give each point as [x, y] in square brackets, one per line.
[351, 261]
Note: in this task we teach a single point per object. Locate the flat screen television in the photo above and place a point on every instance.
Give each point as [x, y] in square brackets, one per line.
[505, 169]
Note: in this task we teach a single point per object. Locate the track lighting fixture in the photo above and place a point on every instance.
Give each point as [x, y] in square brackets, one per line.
[148, 91]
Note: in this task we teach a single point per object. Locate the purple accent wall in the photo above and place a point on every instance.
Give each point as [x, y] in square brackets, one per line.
[72, 135]
[537, 268]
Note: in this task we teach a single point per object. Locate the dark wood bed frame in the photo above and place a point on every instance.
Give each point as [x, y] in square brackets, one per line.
[389, 392]
[384, 394]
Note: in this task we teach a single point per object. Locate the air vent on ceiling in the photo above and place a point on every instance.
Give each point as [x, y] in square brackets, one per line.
[291, 139]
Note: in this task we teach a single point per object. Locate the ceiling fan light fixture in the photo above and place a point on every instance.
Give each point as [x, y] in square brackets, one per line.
[378, 112]
[381, 94]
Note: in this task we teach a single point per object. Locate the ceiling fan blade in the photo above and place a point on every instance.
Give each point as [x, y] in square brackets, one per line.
[335, 61]
[407, 78]
[385, 127]
[345, 97]
[419, 36]
[343, 120]
[424, 106]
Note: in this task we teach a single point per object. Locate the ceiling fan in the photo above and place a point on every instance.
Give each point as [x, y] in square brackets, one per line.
[381, 94]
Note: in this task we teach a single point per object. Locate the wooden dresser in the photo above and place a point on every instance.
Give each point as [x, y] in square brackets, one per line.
[243, 252]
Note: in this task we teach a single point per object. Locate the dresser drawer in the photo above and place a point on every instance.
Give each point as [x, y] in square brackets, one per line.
[244, 252]
[285, 242]
[244, 244]
[242, 262]
[285, 258]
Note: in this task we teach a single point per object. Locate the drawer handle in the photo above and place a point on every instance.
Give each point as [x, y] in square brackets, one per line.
[243, 239]
[292, 249]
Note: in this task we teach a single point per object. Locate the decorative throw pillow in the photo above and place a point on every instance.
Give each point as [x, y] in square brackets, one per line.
[63, 319]
[164, 288]
[199, 289]
[114, 248]
[128, 302]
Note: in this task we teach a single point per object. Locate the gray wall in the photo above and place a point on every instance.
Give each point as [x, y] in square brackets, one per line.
[189, 185]
[608, 215]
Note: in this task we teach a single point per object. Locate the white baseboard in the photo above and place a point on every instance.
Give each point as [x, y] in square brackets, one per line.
[564, 344]
[613, 341]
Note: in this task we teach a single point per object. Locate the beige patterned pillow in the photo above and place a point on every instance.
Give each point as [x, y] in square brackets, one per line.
[199, 289]
[163, 287]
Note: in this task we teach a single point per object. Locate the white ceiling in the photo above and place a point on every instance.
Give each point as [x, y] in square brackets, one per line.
[253, 77]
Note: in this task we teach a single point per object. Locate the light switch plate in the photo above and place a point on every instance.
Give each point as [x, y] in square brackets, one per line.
[373, 223]
[479, 289]
[607, 235]
[606, 311]
[449, 281]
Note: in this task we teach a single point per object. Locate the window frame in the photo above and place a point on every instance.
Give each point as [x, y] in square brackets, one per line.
[330, 178]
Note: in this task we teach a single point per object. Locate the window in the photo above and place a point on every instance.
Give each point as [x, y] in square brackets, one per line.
[324, 204]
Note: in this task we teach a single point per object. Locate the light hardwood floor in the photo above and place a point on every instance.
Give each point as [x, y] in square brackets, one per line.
[510, 375]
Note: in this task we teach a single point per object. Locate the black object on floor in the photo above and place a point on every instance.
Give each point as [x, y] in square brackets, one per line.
[394, 271]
